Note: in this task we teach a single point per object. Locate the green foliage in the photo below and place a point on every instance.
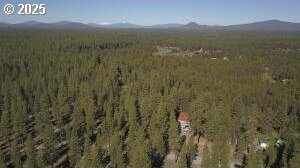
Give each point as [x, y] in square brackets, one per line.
[74, 149]
[87, 104]
[30, 153]
[255, 159]
[86, 158]
[62, 107]
[271, 155]
[139, 154]
[2, 160]
[206, 160]
[16, 156]
[5, 125]
[157, 130]
[220, 154]
[41, 158]
[200, 109]
[173, 133]
[295, 161]
[116, 151]
[49, 140]
[60, 86]
[18, 109]
[184, 159]
[96, 158]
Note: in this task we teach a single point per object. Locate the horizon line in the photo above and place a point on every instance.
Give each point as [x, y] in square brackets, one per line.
[124, 22]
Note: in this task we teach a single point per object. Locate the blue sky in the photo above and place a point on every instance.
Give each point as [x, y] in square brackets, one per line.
[149, 12]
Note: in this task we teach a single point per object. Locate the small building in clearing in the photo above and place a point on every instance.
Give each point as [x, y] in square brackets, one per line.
[184, 120]
[263, 143]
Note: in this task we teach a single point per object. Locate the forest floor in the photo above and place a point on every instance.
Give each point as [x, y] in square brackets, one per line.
[233, 163]
[201, 142]
[170, 160]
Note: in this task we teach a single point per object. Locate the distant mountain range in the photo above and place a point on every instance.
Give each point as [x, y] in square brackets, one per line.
[270, 25]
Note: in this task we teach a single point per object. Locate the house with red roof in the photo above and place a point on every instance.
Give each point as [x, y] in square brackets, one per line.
[184, 120]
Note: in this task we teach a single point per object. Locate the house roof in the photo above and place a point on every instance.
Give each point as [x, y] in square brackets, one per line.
[184, 116]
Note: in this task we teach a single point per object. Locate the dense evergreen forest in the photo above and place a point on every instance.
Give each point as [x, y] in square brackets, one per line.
[105, 98]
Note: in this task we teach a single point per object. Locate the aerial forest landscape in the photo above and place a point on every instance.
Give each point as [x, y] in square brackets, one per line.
[76, 95]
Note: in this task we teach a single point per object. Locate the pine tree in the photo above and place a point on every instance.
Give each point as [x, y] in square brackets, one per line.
[132, 117]
[90, 111]
[116, 151]
[215, 156]
[252, 123]
[237, 112]
[96, 158]
[220, 153]
[41, 158]
[5, 124]
[224, 158]
[87, 105]
[158, 146]
[86, 157]
[173, 133]
[38, 116]
[192, 148]
[30, 152]
[109, 121]
[158, 131]
[139, 152]
[49, 140]
[295, 161]
[148, 104]
[62, 106]
[15, 154]
[42, 114]
[199, 110]
[254, 160]
[72, 84]
[77, 119]
[18, 111]
[218, 121]
[119, 117]
[206, 162]
[101, 140]
[74, 150]
[271, 154]
[2, 160]
[183, 161]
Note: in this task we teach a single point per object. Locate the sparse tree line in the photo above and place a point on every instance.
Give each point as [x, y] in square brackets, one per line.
[101, 99]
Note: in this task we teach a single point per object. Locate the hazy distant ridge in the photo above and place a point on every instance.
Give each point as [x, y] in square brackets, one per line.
[270, 25]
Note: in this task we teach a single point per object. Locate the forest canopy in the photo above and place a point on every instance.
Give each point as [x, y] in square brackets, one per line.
[111, 98]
